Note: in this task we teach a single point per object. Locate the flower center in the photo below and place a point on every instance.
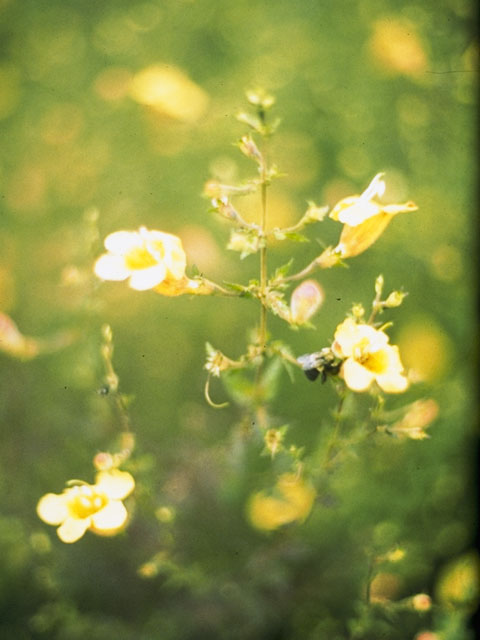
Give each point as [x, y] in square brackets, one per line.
[85, 502]
[374, 361]
[139, 258]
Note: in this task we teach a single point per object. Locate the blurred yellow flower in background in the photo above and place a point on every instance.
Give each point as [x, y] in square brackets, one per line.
[150, 259]
[292, 500]
[458, 584]
[368, 357]
[170, 92]
[97, 507]
[364, 218]
[396, 45]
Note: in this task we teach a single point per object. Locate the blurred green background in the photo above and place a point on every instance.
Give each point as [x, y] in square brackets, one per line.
[361, 87]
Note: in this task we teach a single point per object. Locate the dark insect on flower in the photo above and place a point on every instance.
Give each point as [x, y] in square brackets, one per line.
[322, 363]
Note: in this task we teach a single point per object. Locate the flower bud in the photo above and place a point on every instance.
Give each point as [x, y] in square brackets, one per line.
[248, 147]
[422, 602]
[259, 98]
[395, 299]
[103, 461]
[305, 301]
[107, 333]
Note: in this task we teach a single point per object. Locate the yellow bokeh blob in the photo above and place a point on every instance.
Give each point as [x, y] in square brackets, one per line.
[291, 500]
[459, 580]
[426, 349]
[396, 46]
[169, 91]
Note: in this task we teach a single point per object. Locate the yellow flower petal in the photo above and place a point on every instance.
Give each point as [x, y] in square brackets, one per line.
[392, 382]
[353, 211]
[111, 267]
[356, 240]
[109, 519]
[268, 513]
[121, 242]
[115, 484]
[298, 493]
[357, 377]
[52, 508]
[73, 529]
[144, 279]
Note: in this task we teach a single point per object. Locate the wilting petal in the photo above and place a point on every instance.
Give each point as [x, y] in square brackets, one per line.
[115, 484]
[121, 242]
[356, 377]
[52, 508]
[73, 529]
[148, 278]
[111, 267]
[110, 518]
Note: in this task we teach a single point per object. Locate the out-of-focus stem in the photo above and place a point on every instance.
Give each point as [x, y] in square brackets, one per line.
[263, 265]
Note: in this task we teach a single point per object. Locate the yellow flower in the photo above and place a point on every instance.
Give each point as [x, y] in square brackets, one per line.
[97, 507]
[364, 218]
[368, 357]
[150, 259]
[293, 502]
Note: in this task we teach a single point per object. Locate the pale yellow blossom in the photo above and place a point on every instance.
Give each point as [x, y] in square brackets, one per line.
[97, 507]
[292, 501]
[368, 357]
[150, 259]
[364, 218]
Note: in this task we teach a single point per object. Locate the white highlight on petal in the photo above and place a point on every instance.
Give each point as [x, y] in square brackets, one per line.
[111, 267]
[356, 377]
[121, 242]
[110, 518]
[143, 279]
[359, 212]
[392, 382]
[73, 529]
[52, 508]
[375, 188]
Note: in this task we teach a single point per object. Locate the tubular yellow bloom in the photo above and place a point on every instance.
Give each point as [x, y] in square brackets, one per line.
[97, 507]
[294, 502]
[364, 218]
[150, 259]
[368, 357]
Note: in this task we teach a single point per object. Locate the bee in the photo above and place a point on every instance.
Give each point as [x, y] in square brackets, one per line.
[320, 363]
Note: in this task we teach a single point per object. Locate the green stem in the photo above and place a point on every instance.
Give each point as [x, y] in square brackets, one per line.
[336, 429]
[263, 266]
